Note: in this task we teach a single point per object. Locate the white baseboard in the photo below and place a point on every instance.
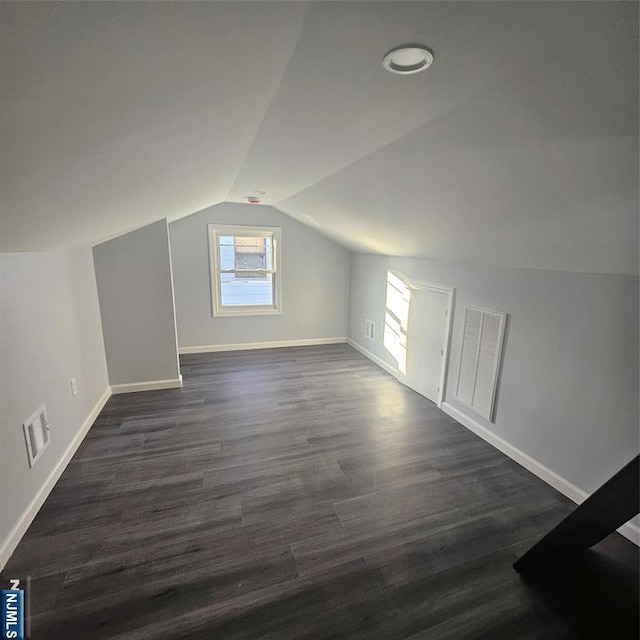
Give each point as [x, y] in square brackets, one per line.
[8, 545]
[629, 530]
[151, 385]
[379, 361]
[245, 346]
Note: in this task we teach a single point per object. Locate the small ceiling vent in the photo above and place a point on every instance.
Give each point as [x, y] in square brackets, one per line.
[37, 434]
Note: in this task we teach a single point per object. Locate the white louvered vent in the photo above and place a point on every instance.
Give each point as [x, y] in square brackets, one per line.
[37, 434]
[369, 329]
[482, 338]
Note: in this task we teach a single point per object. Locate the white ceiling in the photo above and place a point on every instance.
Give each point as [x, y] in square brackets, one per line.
[518, 147]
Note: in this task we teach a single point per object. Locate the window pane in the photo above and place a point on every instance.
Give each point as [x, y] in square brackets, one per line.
[246, 253]
[250, 253]
[227, 252]
[239, 290]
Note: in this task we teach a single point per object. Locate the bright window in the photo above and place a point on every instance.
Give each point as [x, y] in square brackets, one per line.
[245, 270]
[396, 320]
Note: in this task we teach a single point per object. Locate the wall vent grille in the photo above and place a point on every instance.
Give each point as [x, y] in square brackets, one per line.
[479, 363]
[37, 434]
[369, 329]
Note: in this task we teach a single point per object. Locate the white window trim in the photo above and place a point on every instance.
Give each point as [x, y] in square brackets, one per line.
[217, 309]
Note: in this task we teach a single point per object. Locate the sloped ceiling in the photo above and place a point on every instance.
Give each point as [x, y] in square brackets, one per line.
[519, 147]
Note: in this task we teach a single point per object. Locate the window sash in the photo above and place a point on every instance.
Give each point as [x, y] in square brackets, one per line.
[220, 309]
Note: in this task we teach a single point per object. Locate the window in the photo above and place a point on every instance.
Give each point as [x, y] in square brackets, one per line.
[478, 367]
[396, 320]
[245, 270]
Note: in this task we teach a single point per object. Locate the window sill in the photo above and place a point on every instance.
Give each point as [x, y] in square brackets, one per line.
[231, 312]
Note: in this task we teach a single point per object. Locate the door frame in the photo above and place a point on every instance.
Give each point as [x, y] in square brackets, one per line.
[450, 292]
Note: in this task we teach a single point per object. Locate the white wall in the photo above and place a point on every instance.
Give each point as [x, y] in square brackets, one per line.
[315, 282]
[135, 289]
[49, 332]
[568, 396]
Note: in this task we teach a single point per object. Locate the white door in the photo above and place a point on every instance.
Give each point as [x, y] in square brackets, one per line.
[426, 336]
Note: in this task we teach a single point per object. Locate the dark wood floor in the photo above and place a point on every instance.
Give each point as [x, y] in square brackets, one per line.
[304, 493]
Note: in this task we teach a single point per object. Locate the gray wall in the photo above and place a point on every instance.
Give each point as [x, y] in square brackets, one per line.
[568, 396]
[315, 281]
[49, 332]
[133, 274]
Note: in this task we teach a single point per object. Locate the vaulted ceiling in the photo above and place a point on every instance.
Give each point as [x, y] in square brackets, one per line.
[518, 147]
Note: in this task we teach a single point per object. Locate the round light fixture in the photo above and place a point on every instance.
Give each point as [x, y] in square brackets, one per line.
[407, 59]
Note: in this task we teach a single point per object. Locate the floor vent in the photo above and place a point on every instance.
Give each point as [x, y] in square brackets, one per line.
[37, 434]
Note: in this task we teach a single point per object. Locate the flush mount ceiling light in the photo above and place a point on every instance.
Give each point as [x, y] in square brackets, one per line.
[408, 59]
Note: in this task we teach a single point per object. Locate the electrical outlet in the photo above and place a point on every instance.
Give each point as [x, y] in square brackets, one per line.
[74, 387]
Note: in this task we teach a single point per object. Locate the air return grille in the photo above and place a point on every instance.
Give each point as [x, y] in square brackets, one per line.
[478, 367]
[37, 434]
[369, 329]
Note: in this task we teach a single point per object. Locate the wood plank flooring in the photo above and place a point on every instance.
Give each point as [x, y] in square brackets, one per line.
[303, 493]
